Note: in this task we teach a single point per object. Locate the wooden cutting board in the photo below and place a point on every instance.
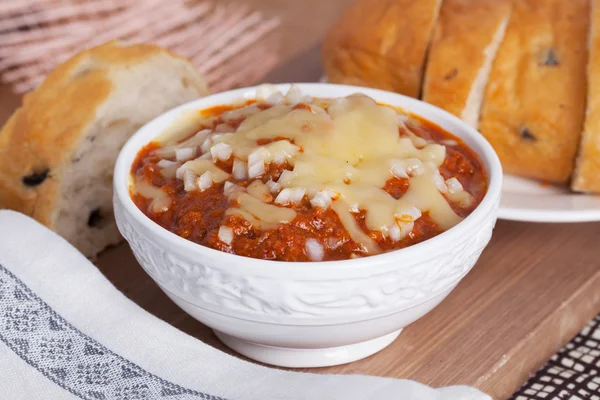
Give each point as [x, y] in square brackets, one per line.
[535, 286]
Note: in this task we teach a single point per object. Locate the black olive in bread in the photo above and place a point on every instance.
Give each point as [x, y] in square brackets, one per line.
[57, 151]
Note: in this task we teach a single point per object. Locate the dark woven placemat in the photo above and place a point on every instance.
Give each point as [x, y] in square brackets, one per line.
[573, 373]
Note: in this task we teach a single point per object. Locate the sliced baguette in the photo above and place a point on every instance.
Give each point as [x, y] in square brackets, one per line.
[534, 104]
[381, 44]
[57, 151]
[586, 177]
[464, 45]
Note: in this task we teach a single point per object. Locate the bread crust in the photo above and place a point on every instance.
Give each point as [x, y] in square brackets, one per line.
[534, 104]
[40, 139]
[465, 31]
[586, 177]
[381, 44]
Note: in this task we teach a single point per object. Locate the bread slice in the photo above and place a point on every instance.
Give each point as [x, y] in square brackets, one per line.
[381, 44]
[534, 104]
[464, 45]
[586, 177]
[57, 151]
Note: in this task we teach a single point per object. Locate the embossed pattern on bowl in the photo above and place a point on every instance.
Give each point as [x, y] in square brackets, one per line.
[302, 306]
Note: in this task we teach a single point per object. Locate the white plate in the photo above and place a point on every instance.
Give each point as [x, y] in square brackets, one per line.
[529, 200]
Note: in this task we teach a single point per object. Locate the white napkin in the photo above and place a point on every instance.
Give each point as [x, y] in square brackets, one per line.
[67, 333]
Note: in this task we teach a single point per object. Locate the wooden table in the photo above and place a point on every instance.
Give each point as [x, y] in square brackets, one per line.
[534, 287]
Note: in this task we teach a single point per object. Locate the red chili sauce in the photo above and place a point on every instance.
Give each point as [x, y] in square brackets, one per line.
[197, 215]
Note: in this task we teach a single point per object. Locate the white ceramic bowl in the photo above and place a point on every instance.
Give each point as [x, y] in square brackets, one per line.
[307, 314]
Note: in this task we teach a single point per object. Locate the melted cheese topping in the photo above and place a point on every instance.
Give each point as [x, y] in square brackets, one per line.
[260, 214]
[200, 166]
[349, 152]
[342, 152]
[160, 200]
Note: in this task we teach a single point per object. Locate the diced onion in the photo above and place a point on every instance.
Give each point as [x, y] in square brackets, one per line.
[265, 90]
[189, 180]
[240, 169]
[297, 195]
[406, 228]
[273, 186]
[322, 199]
[394, 232]
[256, 169]
[206, 145]
[417, 141]
[290, 196]
[165, 163]
[314, 249]
[400, 230]
[205, 181]
[439, 182]
[435, 152]
[221, 151]
[454, 186]
[409, 215]
[260, 154]
[184, 154]
[397, 169]
[225, 234]
[293, 96]
[457, 193]
[179, 173]
[414, 166]
[284, 196]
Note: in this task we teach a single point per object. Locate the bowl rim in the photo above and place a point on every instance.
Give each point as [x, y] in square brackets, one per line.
[430, 246]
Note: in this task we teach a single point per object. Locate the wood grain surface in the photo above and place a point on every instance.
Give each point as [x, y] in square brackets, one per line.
[533, 289]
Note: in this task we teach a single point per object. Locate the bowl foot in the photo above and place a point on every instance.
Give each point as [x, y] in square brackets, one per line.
[304, 358]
